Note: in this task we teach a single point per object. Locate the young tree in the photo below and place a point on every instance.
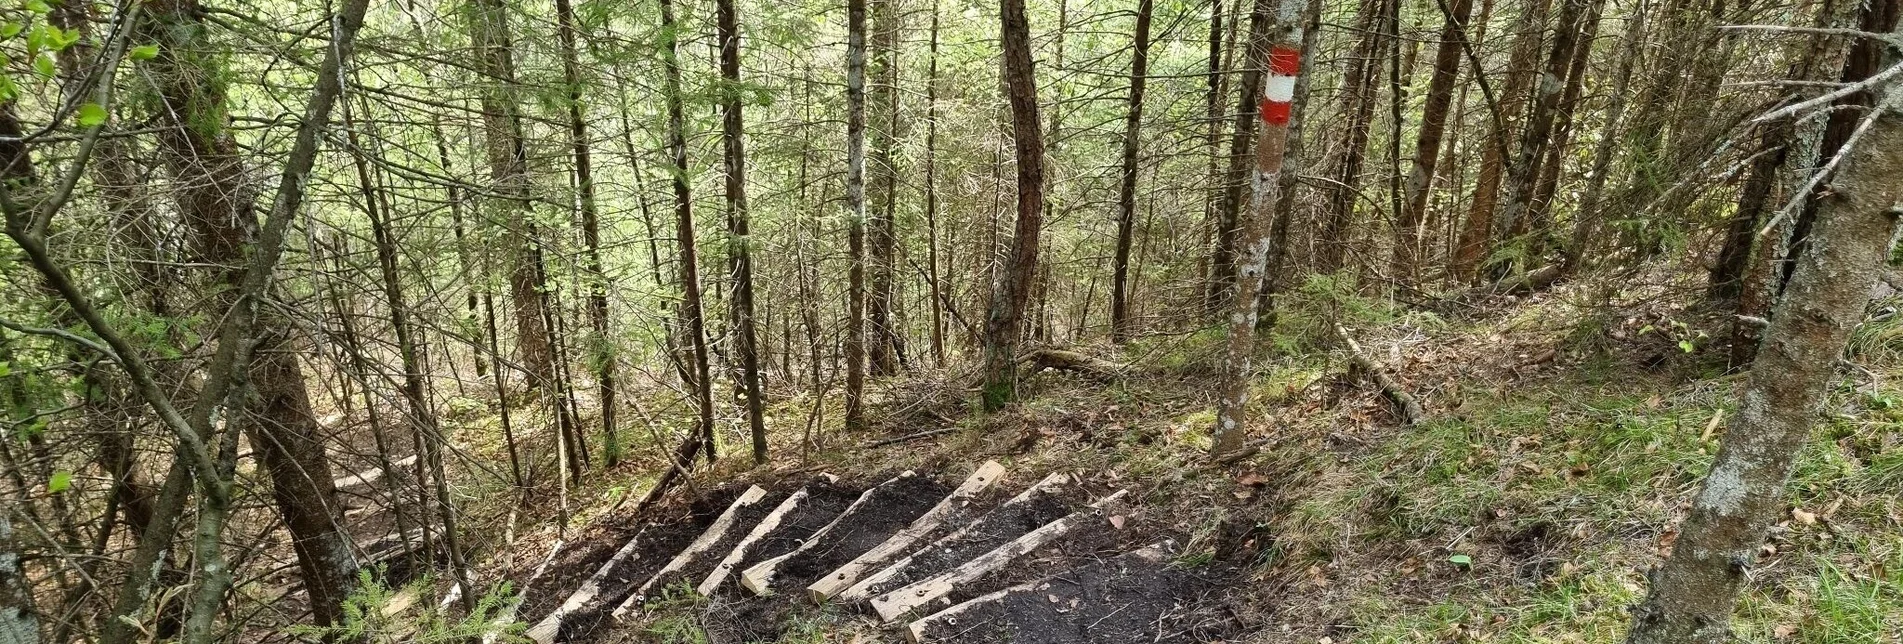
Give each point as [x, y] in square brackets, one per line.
[733, 146]
[1420, 180]
[1279, 52]
[884, 351]
[1012, 290]
[1694, 590]
[855, 213]
[601, 352]
[1127, 187]
[695, 320]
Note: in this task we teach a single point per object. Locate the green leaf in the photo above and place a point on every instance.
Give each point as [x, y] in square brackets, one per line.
[11, 29]
[38, 6]
[44, 64]
[1461, 560]
[91, 115]
[59, 482]
[1687, 346]
[145, 52]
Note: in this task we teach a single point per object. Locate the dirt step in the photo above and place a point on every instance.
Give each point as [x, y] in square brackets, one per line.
[1037, 505]
[953, 511]
[595, 578]
[1135, 597]
[697, 559]
[786, 528]
[877, 514]
[896, 603]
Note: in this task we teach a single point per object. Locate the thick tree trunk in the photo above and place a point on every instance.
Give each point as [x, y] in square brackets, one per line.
[1279, 53]
[1012, 290]
[1694, 591]
[1420, 180]
[855, 349]
[733, 147]
[1127, 189]
[1472, 244]
[691, 311]
[215, 200]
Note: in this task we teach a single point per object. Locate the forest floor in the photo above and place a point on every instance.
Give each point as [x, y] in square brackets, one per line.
[1561, 442]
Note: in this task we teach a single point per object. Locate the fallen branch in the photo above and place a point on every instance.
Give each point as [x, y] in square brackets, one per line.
[1072, 361]
[1404, 403]
[910, 437]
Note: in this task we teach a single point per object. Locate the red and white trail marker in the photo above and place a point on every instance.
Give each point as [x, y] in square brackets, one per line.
[1278, 93]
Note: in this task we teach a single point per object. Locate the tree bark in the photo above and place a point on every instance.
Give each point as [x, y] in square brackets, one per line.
[601, 351]
[1009, 295]
[1474, 238]
[1364, 66]
[938, 295]
[691, 310]
[883, 351]
[1420, 180]
[1592, 199]
[1127, 189]
[1523, 173]
[733, 146]
[1278, 51]
[1694, 591]
[855, 349]
[1222, 262]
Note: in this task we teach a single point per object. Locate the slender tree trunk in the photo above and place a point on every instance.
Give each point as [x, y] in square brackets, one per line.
[1294, 158]
[19, 621]
[1127, 189]
[1279, 51]
[1539, 217]
[1523, 173]
[1420, 180]
[1010, 294]
[733, 131]
[601, 349]
[855, 213]
[1212, 200]
[1592, 199]
[1694, 591]
[1364, 66]
[1472, 244]
[691, 310]
[1222, 261]
[931, 195]
[882, 350]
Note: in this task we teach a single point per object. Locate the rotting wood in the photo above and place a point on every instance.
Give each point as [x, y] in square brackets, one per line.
[1072, 361]
[545, 631]
[915, 631]
[707, 539]
[846, 575]
[766, 526]
[863, 589]
[892, 605]
[759, 578]
[1404, 403]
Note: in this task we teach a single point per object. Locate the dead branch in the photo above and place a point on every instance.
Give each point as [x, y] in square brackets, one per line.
[1404, 402]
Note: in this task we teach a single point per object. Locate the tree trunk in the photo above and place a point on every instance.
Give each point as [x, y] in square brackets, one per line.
[1009, 294]
[855, 214]
[1472, 245]
[1592, 199]
[1364, 66]
[1694, 591]
[931, 195]
[1523, 173]
[884, 342]
[1222, 262]
[733, 145]
[1539, 217]
[1212, 200]
[691, 310]
[1127, 189]
[1279, 52]
[1293, 161]
[601, 349]
[1420, 180]
[215, 200]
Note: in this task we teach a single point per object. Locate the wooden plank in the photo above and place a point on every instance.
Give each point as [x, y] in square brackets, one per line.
[766, 526]
[953, 503]
[915, 631]
[862, 590]
[892, 605]
[707, 539]
[759, 578]
[545, 631]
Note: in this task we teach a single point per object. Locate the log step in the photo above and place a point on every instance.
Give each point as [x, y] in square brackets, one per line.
[550, 627]
[894, 604]
[955, 508]
[1030, 509]
[759, 577]
[767, 525]
[1115, 600]
[700, 546]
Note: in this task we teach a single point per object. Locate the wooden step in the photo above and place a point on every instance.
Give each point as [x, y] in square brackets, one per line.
[760, 531]
[892, 605]
[759, 578]
[1058, 595]
[545, 631]
[973, 536]
[952, 508]
[699, 547]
